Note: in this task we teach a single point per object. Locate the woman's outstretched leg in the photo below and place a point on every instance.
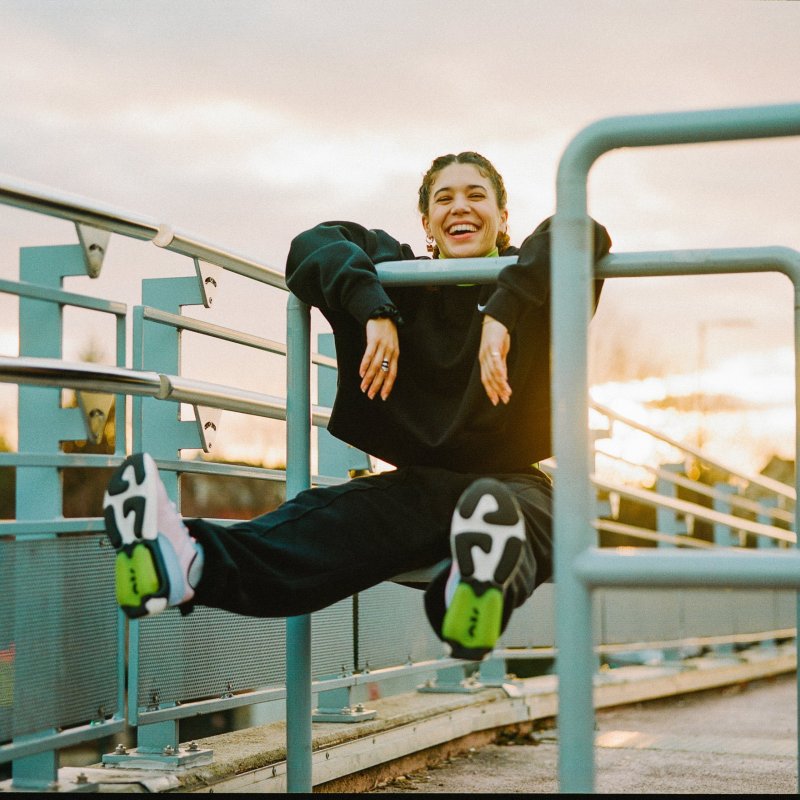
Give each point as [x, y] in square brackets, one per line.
[317, 548]
[329, 543]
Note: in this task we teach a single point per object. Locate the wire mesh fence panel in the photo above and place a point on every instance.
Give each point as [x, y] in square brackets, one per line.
[208, 653]
[332, 639]
[393, 628]
[58, 634]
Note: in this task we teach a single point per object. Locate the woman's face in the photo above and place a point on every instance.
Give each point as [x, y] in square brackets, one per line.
[463, 216]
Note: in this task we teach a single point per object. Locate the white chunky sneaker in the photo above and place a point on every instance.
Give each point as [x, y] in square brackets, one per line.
[487, 534]
[158, 563]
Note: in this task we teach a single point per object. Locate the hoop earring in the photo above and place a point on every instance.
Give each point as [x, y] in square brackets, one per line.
[503, 239]
[430, 243]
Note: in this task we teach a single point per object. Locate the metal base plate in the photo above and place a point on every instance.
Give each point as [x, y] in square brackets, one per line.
[136, 759]
[348, 714]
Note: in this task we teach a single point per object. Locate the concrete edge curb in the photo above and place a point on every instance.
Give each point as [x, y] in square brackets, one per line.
[424, 728]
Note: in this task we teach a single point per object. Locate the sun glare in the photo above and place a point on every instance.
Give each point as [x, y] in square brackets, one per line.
[739, 412]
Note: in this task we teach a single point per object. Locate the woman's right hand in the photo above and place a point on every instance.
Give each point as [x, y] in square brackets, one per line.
[382, 344]
[492, 354]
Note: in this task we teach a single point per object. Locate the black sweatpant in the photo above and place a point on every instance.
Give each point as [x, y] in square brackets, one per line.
[328, 543]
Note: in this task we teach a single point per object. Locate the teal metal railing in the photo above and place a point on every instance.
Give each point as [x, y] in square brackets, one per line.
[579, 566]
[158, 697]
[181, 668]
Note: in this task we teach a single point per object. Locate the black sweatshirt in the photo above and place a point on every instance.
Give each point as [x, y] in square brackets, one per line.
[438, 413]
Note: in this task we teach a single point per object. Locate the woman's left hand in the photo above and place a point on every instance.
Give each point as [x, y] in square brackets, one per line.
[495, 344]
[383, 347]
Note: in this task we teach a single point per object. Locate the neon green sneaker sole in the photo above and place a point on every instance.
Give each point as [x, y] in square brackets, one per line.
[472, 622]
[137, 581]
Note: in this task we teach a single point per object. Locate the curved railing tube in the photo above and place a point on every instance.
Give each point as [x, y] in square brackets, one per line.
[572, 276]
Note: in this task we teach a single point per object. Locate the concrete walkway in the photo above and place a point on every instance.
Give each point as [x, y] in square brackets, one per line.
[712, 724]
[739, 739]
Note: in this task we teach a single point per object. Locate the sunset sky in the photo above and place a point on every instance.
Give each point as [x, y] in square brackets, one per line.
[246, 121]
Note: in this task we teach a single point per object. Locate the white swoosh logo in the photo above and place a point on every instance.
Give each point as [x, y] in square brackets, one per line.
[482, 308]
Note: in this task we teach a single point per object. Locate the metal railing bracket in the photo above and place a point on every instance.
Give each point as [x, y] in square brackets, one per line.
[207, 425]
[209, 276]
[94, 243]
[95, 407]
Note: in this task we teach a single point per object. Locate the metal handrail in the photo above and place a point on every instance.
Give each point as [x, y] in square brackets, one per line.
[647, 534]
[81, 210]
[115, 380]
[185, 323]
[738, 501]
[79, 375]
[696, 511]
[53, 203]
[757, 480]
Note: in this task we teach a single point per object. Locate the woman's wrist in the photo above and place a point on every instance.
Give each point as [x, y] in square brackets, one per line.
[387, 311]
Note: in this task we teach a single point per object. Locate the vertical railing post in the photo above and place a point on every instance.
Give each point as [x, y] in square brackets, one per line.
[157, 425]
[298, 478]
[42, 422]
[765, 542]
[571, 280]
[666, 518]
[725, 535]
[158, 430]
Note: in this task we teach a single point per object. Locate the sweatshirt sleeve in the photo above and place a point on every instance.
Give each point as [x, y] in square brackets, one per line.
[332, 267]
[527, 283]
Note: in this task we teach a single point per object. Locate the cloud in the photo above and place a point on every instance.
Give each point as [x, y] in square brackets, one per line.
[246, 121]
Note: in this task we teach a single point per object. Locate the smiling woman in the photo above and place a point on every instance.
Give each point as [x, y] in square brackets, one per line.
[465, 485]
